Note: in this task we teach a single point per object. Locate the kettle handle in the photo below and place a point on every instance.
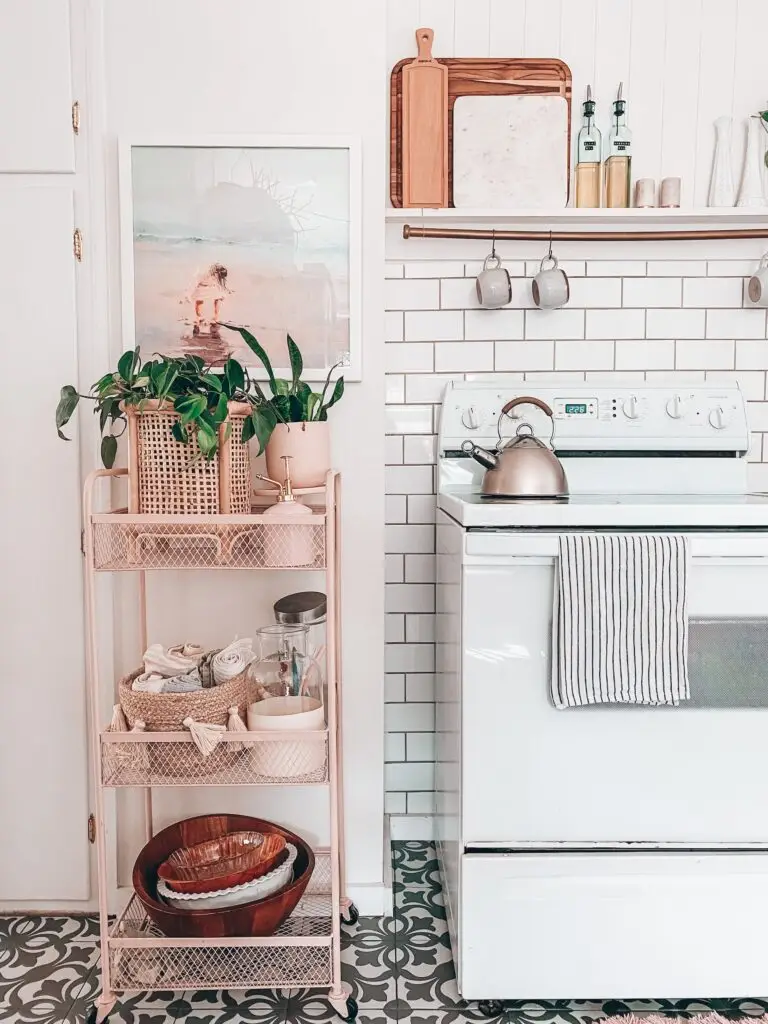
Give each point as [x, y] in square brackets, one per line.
[527, 400]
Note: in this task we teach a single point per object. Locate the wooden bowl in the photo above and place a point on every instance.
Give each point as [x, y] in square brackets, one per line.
[261, 917]
[231, 859]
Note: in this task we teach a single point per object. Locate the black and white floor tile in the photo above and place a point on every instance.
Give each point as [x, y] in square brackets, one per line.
[399, 968]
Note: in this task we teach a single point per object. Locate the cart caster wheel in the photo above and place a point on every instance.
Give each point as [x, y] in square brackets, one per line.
[490, 1007]
[92, 1016]
[351, 916]
[351, 1009]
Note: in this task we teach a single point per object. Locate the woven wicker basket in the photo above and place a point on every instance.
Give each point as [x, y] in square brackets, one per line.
[168, 477]
[165, 712]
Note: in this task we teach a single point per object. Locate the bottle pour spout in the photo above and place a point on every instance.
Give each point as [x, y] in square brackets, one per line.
[481, 455]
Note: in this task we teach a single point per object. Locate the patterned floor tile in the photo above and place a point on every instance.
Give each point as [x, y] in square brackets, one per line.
[308, 1006]
[414, 865]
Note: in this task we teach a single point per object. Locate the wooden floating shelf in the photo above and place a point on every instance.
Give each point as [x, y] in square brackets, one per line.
[705, 216]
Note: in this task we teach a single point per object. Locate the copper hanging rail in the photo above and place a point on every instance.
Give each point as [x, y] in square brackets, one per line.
[502, 235]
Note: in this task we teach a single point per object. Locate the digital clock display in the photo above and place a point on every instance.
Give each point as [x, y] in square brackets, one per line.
[575, 408]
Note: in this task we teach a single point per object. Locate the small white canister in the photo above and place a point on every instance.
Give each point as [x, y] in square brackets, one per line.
[287, 714]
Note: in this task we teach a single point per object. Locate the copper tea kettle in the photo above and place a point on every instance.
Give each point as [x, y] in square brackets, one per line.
[523, 466]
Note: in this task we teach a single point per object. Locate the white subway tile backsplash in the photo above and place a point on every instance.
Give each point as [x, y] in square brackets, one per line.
[458, 293]
[434, 268]
[751, 355]
[618, 323]
[653, 292]
[394, 629]
[393, 326]
[416, 357]
[595, 292]
[677, 268]
[434, 325]
[411, 717]
[584, 355]
[409, 479]
[420, 746]
[557, 324]
[411, 294]
[409, 658]
[616, 268]
[410, 539]
[700, 355]
[735, 323]
[493, 324]
[525, 355]
[419, 449]
[670, 322]
[675, 323]
[459, 356]
[712, 292]
[655, 354]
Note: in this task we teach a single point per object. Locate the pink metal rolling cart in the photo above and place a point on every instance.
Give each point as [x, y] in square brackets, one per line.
[306, 950]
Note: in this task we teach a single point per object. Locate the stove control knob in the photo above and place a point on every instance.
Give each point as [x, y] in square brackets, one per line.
[471, 418]
[631, 408]
[719, 418]
[676, 407]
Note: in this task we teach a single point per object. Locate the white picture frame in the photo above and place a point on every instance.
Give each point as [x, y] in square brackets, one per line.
[220, 145]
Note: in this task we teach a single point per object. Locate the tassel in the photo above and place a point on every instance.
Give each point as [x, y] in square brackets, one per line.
[205, 736]
[139, 725]
[235, 724]
[118, 723]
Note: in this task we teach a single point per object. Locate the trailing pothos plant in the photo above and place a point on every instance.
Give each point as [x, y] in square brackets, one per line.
[185, 384]
[291, 401]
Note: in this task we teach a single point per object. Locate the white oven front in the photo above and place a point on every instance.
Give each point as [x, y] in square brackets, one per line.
[531, 775]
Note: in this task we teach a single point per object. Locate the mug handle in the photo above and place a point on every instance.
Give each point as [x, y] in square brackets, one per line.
[491, 259]
[548, 259]
[763, 261]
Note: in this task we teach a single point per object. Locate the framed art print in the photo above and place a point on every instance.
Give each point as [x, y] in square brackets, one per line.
[259, 232]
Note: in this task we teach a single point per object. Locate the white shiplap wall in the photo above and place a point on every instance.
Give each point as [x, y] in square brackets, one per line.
[670, 311]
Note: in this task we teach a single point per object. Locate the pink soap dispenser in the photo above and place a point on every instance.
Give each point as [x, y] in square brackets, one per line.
[286, 543]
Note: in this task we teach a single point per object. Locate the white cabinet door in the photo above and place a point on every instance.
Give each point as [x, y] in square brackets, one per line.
[44, 853]
[35, 86]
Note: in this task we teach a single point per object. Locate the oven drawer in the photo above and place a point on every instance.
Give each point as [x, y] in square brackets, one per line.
[578, 926]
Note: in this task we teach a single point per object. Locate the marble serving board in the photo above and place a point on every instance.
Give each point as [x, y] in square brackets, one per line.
[510, 152]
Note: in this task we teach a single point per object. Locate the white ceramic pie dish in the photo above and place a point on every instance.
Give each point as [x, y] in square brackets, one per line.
[258, 889]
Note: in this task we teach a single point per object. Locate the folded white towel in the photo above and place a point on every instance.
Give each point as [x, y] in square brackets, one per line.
[150, 682]
[173, 662]
[620, 623]
[233, 660]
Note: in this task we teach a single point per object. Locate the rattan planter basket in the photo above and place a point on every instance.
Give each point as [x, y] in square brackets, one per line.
[165, 712]
[168, 477]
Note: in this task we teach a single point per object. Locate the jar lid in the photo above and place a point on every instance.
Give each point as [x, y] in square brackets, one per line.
[307, 606]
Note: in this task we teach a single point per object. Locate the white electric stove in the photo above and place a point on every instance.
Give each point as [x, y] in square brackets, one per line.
[607, 851]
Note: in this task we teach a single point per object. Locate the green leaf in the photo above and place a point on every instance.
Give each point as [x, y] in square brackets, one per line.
[338, 391]
[106, 411]
[125, 365]
[248, 429]
[263, 420]
[297, 363]
[190, 407]
[256, 348]
[221, 409]
[764, 115]
[213, 380]
[108, 450]
[282, 387]
[179, 432]
[235, 376]
[207, 439]
[280, 408]
[68, 401]
[314, 403]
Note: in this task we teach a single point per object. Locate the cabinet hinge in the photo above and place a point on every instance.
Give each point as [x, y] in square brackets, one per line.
[76, 117]
[77, 245]
[91, 829]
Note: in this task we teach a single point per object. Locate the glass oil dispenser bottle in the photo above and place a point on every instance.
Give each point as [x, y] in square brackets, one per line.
[589, 158]
[618, 166]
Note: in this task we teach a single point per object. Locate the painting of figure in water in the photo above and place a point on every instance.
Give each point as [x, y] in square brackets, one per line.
[257, 237]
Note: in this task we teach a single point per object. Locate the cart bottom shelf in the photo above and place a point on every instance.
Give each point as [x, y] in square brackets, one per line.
[299, 954]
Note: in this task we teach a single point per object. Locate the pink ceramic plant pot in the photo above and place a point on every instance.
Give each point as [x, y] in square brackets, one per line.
[309, 446]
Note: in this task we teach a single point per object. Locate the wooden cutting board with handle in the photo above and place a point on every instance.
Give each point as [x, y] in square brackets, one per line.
[425, 127]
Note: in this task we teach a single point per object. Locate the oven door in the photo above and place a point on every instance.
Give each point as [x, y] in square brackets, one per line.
[695, 775]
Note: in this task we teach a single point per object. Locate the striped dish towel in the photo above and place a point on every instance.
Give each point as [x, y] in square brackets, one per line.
[620, 624]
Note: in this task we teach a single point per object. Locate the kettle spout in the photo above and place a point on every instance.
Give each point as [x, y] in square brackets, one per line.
[481, 455]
